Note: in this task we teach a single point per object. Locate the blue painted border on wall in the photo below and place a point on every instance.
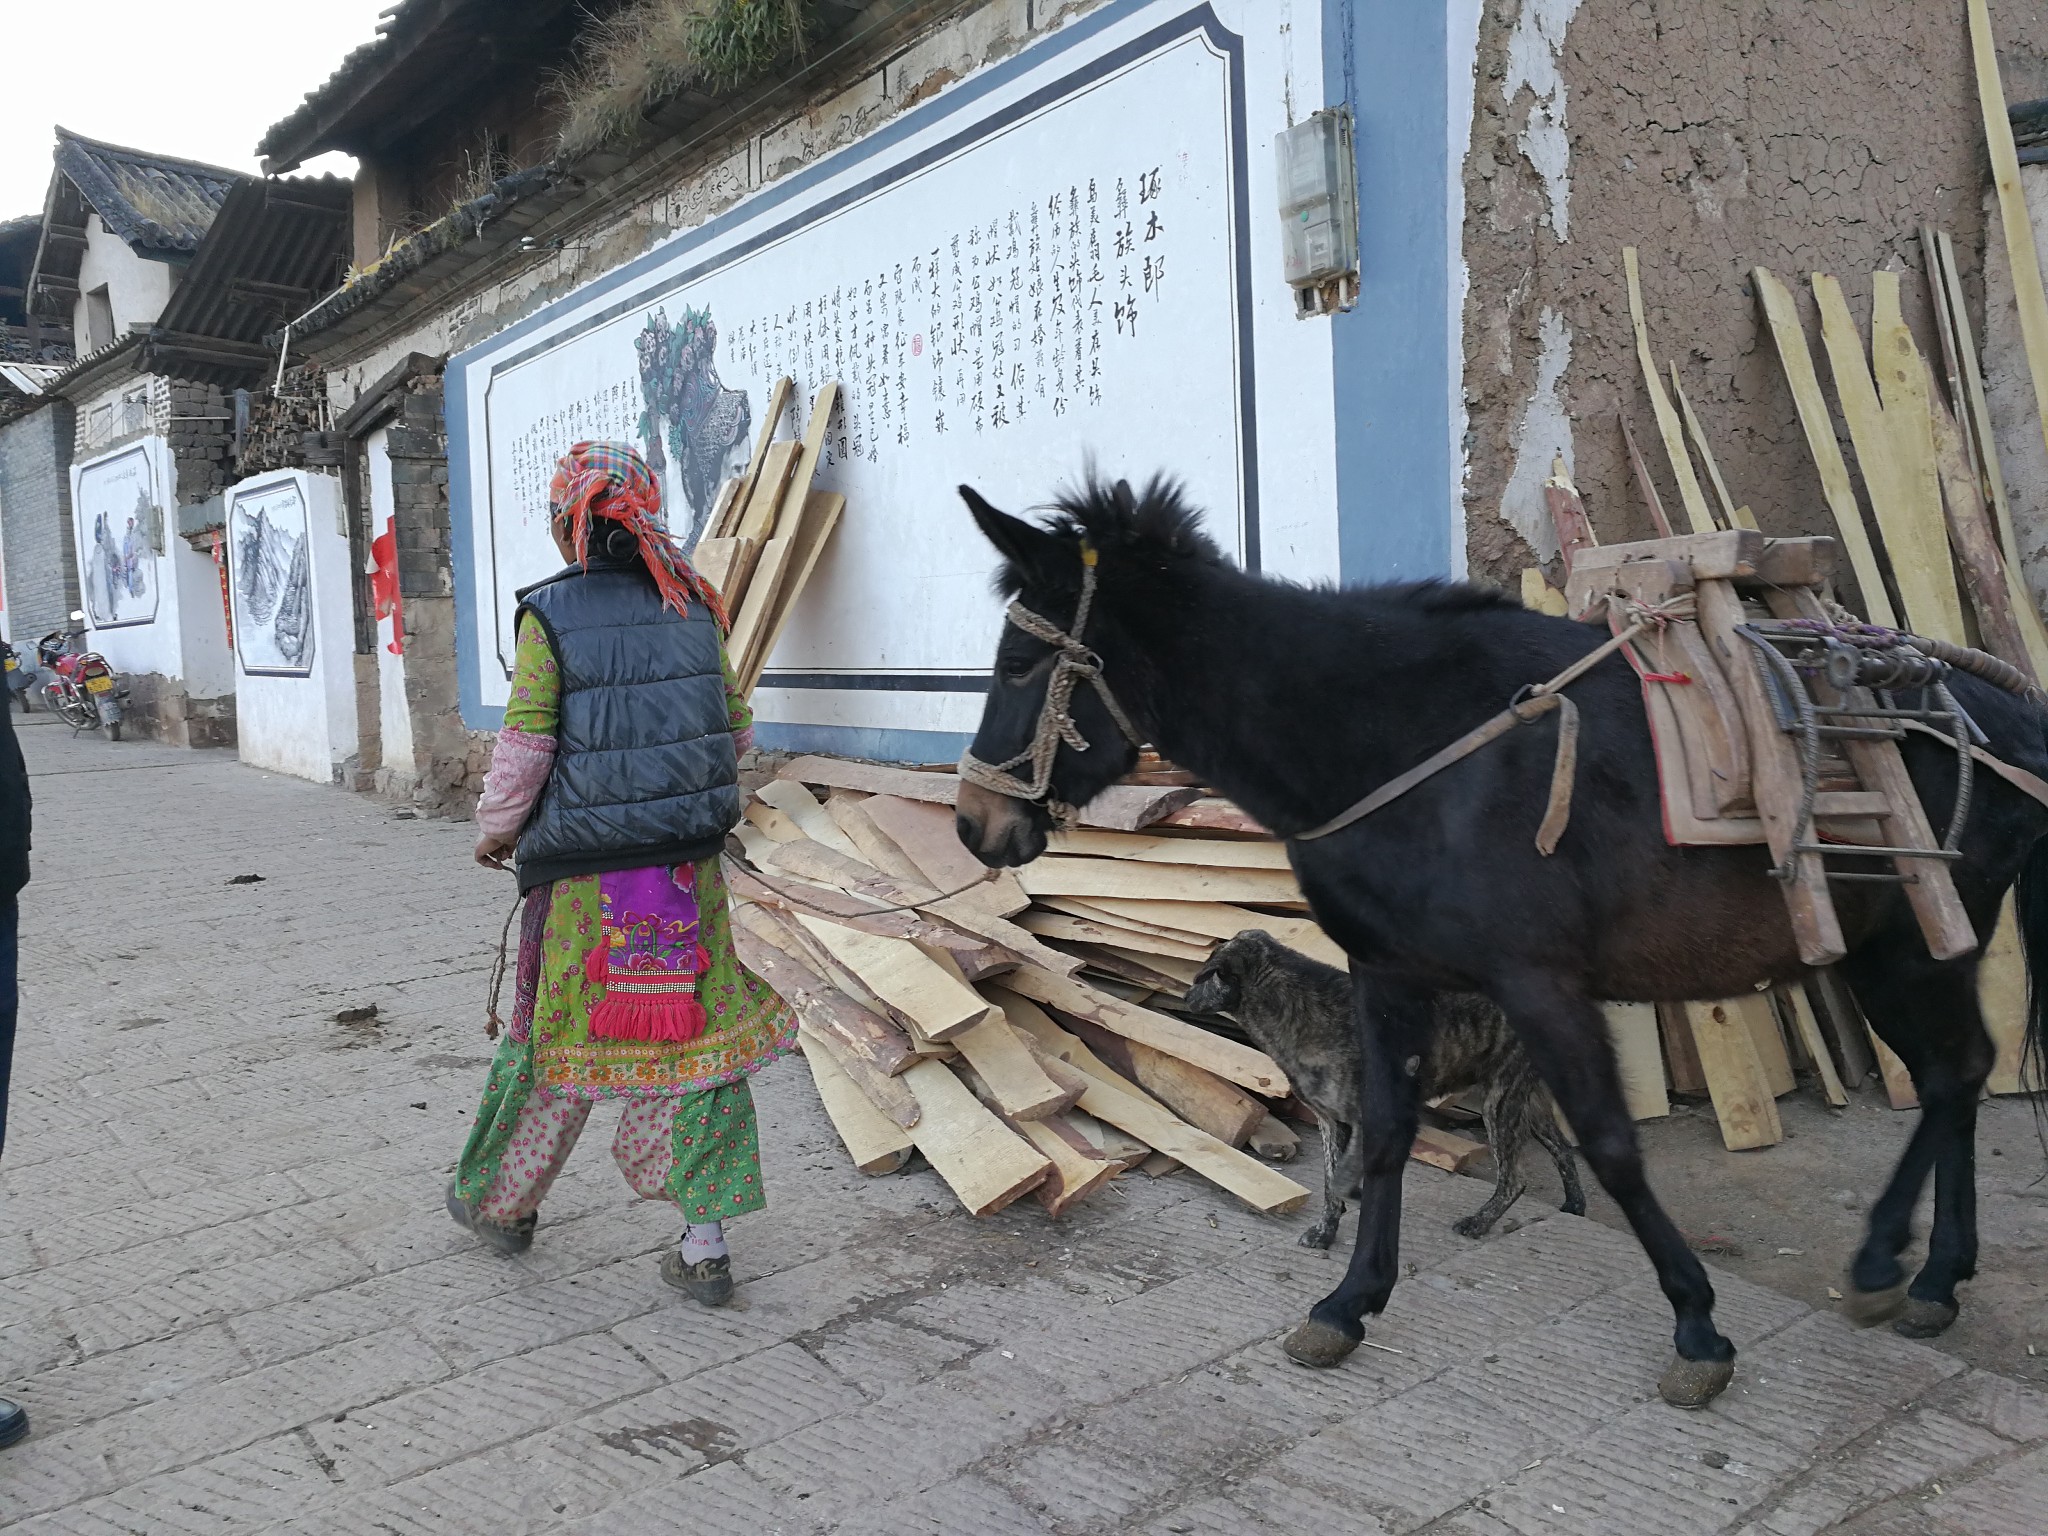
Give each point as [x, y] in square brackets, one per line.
[475, 713]
[1388, 60]
[864, 741]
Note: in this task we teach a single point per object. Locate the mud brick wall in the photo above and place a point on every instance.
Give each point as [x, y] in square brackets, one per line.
[35, 522]
[1800, 135]
[201, 433]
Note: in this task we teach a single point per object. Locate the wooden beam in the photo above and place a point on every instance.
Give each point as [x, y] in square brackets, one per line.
[1689, 493]
[1121, 807]
[903, 976]
[1976, 546]
[1800, 1006]
[986, 1164]
[1201, 1098]
[1633, 1029]
[1259, 1186]
[1053, 875]
[1220, 920]
[925, 833]
[1919, 545]
[798, 804]
[1743, 1102]
[875, 1143]
[1819, 428]
[1698, 435]
[1213, 1053]
[1218, 852]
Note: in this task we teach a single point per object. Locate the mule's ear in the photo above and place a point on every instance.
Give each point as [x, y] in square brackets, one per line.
[1027, 547]
[1125, 501]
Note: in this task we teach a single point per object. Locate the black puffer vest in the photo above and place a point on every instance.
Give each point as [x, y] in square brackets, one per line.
[645, 771]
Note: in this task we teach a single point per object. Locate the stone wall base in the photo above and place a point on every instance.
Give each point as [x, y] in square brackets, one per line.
[159, 708]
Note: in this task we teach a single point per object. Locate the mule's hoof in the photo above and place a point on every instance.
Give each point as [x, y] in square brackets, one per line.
[1318, 1344]
[1318, 1237]
[1472, 1227]
[1695, 1383]
[1866, 1309]
[1924, 1319]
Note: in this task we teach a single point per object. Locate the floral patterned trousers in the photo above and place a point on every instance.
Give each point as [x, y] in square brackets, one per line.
[701, 1150]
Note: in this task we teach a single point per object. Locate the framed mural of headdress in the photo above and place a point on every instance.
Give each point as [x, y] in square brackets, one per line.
[693, 430]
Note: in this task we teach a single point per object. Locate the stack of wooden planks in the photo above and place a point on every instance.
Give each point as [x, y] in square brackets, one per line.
[768, 529]
[1936, 554]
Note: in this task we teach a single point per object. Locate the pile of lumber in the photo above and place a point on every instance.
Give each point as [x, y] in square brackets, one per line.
[1021, 1031]
[1932, 545]
[767, 530]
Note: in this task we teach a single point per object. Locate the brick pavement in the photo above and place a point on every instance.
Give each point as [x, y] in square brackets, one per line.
[233, 1303]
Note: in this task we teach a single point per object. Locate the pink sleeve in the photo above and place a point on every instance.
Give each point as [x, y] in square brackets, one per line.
[519, 770]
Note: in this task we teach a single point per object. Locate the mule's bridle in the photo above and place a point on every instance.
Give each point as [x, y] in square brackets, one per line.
[1073, 664]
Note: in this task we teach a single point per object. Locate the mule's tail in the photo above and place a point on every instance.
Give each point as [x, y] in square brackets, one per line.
[2030, 902]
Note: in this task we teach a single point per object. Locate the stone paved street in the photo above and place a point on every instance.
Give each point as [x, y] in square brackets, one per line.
[232, 1301]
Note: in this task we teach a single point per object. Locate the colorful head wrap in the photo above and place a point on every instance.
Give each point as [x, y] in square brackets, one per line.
[611, 480]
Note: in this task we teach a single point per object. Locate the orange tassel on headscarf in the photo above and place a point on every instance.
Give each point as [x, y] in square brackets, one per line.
[611, 480]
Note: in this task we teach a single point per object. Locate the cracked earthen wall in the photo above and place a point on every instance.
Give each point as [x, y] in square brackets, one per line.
[1800, 135]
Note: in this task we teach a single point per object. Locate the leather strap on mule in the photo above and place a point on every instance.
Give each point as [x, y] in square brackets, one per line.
[1538, 702]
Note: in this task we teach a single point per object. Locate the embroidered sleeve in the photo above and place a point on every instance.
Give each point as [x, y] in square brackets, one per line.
[739, 714]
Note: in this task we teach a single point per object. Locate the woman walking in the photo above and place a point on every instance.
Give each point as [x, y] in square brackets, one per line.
[616, 780]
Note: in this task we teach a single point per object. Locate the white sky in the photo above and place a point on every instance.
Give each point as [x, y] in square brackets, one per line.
[202, 82]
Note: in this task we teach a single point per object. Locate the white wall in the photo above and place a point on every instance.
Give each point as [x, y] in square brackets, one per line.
[393, 713]
[137, 289]
[301, 725]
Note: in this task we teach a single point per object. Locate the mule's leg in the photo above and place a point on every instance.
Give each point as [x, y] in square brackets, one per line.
[1566, 1038]
[1925, 1010]
[1505, 1133]
[1336, 1138]
[1394, 1025]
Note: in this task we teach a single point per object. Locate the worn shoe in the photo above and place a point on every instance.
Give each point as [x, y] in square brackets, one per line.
[508, 1238]
[708, 1282]
[13, 1423]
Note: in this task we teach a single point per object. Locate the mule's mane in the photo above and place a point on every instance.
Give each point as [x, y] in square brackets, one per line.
[1158, 518]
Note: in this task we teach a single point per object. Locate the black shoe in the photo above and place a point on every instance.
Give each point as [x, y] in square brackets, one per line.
[13, 1423]
[510, 1239]
[707, 1282]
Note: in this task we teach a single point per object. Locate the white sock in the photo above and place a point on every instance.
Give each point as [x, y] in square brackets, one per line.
[702, 1240]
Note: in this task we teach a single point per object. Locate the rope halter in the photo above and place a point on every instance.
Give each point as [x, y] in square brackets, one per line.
[1073, 664]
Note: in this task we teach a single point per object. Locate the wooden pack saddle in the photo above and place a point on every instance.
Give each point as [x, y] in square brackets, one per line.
[1772, 727]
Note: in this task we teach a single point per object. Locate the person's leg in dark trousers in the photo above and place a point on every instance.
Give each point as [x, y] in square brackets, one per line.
[13, 1419]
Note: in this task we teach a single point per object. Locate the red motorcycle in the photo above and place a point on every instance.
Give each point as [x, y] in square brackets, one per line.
[78, 684]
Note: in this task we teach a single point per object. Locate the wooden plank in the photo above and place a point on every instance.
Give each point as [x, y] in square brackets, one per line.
[1121, 807]
[1775, 779]
[1976, 545]
[1260, 1187]
[986, 1164]
[1178, 974]
[775, 823]
[1689, 493]
[1445, 1149]
[1201, 1098]
[1076, 1174]
[1058, 925]
[1644, 484]
[1017, 1085]
[1087, 842]
[819, 1003]
[1841, 1022]
[1213, 815]
[1735, 1078]
[1226, 1058]
[1567, 514]
[1800, 1006]
[1274, 1141]
[892, 1101]
[756, 519]
[1093, 912]
[925, 833]
[1107, 968]
[798, 804]
[903, 976]
[771, 420]
[743, 644]
[1761, 1020]
[847, 808]
[1919, 545]
[726, 564]
[2002, 995]
[1219, 920]
[1728, 554]
[1700, 445]
[1122, 1150]
[1053, 875]
[1898, 1082]
[1979, 416]
[812, 453]
[820, 516]
[1819, 428]
[876, 1143]
[1633, 1029]
[1681, 1055]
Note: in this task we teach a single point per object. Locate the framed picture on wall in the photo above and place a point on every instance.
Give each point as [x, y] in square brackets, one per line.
[119, 524]
[270, 579]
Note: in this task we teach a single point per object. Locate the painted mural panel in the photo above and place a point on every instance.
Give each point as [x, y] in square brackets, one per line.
[118, 517]
[1052, 274]
[270, 575]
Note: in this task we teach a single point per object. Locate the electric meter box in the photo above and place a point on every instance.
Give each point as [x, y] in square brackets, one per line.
[1318, 200]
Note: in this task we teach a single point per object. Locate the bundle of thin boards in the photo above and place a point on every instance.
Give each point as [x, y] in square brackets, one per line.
[1023, 1030]
[767, 531]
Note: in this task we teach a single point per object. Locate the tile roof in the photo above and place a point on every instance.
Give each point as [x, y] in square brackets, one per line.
[159, 204]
